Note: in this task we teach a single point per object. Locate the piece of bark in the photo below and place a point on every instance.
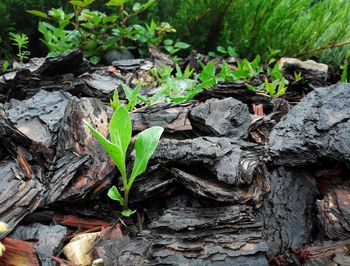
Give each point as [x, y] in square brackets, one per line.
[220, 192]
[39, 118]
[325, 253]
[18, 197]
[237, 91]
[159, 58]
[75, 221]
[172, 117]
[71, 62]
[288, 211]
[75, 138]
[193, 236]
[318, 127]
[262, 126]
[231, 161]
[48, 240]
[334, 212]
[102, 84]
[221, 118]
[65, 171]
[18, 252]
[308, 69]
[33, 124]
[27, 84]
[150, 185]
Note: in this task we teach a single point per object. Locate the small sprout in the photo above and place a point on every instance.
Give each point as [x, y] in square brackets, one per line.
[297, 76]
[21, 41]
[120, 129]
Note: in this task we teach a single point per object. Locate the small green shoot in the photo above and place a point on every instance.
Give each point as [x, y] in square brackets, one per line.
[21, 41]
[276, 88]
[297, 76]
[345, 69]
[114, 102]
[5, 65]
[132, 95]
[120, 130]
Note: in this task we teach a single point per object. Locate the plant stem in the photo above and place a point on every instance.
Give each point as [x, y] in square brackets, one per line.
[334, 45]
[126, 197]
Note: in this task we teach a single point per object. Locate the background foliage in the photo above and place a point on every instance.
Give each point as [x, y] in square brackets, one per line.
[308, 28]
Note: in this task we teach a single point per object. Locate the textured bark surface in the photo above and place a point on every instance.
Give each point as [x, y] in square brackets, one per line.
[281, 196]
[232, 161]
[194, 236]
[334, 212]
[172, 117]
[317, 128]
[288, 211]
[18, 252]
[48, 240]
[19, 196]
[222, 118]
[72, 62]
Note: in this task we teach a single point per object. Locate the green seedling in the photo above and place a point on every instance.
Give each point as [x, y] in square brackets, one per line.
[208, 75]
[344, 74]
[345, 69]
[5, 65]
[276, 72]
[297, 76]
[276, 88]
[120, 130]
[132, 95]
[21, 41]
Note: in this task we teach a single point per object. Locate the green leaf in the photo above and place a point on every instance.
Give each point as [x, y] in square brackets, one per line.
[127, 90]
[84, 3]
[115, 100]
[208, 73]
[231, 51]
[114, 194]
[168, 42]
[116, 2]
[221, 49]
[137, 7]
[5, 65]
[128, 212]
[134, 96]
[95, 59]
[113, 150]
[250, 87]
[38, 13]
[120, 129]
[77, 3]
[182, 45]
[145, 145]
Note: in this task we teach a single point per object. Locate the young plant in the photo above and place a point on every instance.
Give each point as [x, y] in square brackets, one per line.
[228, 51]
[5, 65]
[21, 41]
[120, 129]
[297, 76]
[276, 88]
[173, 47]
[345, 69]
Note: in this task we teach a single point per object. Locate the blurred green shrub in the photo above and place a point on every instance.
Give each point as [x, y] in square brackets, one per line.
[15, 18]
[96, 32]
[296, 28]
